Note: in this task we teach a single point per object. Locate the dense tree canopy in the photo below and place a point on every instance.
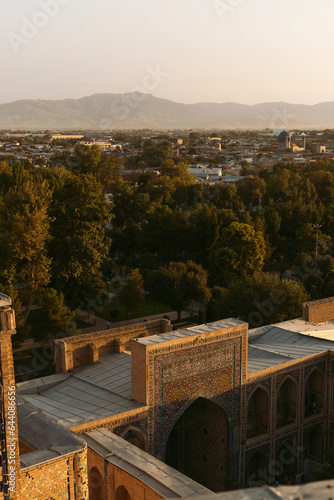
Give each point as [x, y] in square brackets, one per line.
[179, 284]
[57, 229]
[79, 243]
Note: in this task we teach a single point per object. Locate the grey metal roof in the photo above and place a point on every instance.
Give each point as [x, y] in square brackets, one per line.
[163, 479]
[113, 372]
[188, 332]
[260, 359]
[290, 344]
[93, 392]
[42, 434]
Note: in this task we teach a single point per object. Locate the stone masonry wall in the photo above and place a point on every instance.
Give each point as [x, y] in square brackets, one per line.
[319, 311]
[86, 349]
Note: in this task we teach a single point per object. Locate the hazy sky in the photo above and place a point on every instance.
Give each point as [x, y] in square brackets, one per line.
[245, 51]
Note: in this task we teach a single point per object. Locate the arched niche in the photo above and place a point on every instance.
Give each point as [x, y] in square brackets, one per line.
[258, 413]
[122, 493]
[95, 483]
[286, 405]
[314, 393]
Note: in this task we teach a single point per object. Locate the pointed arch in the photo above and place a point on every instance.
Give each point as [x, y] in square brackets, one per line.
[96, 485]
[122, 493]
[198, 444]
[286, 403]
[314, 393]
[258, 413]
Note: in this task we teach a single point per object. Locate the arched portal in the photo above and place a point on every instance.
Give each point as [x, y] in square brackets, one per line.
[122, 493]
[95, 482]
[198, 444]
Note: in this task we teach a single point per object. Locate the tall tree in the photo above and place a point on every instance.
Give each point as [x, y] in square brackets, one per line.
[24, 234]
[179, 284]
[239, 251]
[132, 295]
[79, 242]
[86, 159]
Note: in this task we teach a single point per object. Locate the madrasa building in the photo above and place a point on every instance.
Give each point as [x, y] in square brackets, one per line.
[144, 412]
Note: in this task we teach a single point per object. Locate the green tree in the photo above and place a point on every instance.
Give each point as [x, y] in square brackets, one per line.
[24, 233]
[132, 295]
[260, 300]
[179, 284]
[79, 243]
[86, 159]
[109, 169]
[239, 251]
[58, 315]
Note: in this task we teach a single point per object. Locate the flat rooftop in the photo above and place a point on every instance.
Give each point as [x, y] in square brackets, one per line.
[92, 393]
[188, 332]
[276, 344]
[44, 436]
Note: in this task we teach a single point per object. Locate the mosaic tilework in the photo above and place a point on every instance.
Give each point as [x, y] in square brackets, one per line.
[179, 374]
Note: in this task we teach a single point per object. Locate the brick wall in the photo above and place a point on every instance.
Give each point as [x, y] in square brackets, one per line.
[65, 477]
[319, 311]
[109, 477]
[86, 349]
[116, 478]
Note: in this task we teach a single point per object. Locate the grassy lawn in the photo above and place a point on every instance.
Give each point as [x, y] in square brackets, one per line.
[149, 307]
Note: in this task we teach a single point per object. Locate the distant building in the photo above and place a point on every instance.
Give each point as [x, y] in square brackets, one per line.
[284, 141]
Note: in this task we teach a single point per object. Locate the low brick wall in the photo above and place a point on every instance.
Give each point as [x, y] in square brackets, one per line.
[81, 350]
[319, 311]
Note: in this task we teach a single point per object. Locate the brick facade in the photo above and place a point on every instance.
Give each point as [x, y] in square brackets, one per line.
[59, 479]
[106, 478]
[319, 311]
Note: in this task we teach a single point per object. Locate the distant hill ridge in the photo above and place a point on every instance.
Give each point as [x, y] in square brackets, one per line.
[137, 111]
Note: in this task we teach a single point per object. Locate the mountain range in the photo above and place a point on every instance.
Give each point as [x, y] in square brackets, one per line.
[144, 111]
